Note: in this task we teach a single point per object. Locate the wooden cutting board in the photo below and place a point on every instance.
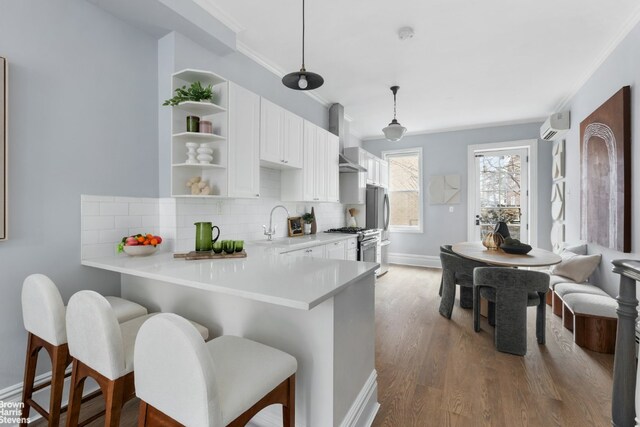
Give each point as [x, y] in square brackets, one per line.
[194, 255]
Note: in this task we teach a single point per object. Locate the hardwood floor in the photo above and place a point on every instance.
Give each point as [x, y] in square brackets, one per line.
[438, 372]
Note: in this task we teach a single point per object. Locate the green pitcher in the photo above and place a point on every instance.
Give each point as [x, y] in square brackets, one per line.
[204, 231]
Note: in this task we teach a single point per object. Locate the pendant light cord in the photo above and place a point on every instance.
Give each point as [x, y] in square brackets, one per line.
[303, 34]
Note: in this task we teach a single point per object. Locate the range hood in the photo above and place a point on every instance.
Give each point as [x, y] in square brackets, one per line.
[336, 127]
[347, 166]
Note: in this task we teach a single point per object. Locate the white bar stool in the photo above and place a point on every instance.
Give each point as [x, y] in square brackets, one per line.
[102, 350]
[181, 380]
[43, 313]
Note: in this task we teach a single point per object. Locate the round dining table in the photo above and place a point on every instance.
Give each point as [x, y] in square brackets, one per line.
[535, 258]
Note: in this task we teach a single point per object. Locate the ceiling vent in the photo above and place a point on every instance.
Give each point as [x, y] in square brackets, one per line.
[556, 126]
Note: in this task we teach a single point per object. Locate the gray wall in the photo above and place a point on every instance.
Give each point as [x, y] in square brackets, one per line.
[82, 119]
[446, 153]
[620, 69]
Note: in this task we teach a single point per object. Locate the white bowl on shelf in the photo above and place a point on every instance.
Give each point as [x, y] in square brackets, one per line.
[140, 250]
[192, 145]
[207, 151]
[205, 158]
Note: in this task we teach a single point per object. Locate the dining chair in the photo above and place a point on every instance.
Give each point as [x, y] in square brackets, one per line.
[512, 291]
[183, 381]
[102, 349]
[43, 314]
[456, 270]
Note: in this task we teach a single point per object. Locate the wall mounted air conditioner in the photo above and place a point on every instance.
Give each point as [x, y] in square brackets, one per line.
[556, 126]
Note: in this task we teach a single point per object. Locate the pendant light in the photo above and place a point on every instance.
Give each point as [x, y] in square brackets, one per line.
[303, 79]
[395, 131]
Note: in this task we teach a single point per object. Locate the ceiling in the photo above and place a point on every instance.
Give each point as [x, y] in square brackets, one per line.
[470, 63]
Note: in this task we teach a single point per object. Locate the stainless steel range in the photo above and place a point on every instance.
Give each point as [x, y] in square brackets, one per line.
[368, 242]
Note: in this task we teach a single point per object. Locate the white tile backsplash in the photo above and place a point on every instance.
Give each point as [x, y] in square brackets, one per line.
[105, 220]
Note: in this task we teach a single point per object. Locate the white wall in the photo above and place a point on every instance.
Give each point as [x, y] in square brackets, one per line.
[82, 119]
[445, 153]
[620, 69]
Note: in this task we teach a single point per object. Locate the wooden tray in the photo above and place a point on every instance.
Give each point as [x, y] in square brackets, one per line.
[193, 255]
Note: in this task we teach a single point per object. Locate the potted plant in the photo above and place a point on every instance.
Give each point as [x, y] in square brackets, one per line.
[196, 92]
[308, 219]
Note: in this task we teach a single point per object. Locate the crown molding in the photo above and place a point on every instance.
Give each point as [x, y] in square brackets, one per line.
[220, 15]
[539, 120]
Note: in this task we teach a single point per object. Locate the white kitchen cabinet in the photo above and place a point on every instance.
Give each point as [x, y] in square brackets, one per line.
[333, 184]
[336, 250]
[244, 142]
[352, 255]
[280, 137]
[312, 182]
[313, 252]
[383, 172]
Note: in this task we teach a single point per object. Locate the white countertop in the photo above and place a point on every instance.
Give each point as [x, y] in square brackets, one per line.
[289, 244]
[265, 275]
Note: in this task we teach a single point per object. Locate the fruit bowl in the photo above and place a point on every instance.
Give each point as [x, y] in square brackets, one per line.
[516, 249]
[140, 250]
[139, 244]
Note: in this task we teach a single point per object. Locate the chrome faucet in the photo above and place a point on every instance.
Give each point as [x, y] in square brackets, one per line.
[272, 229]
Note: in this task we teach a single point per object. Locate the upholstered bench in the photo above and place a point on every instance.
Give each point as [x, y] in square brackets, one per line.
[593, 320]
[566, 288]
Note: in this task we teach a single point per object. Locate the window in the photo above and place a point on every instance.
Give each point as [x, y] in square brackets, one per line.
[405, 189]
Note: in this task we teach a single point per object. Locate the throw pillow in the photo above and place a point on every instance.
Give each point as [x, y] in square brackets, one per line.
[576, 267]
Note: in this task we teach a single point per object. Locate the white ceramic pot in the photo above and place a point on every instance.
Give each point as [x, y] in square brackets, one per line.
[307, 228]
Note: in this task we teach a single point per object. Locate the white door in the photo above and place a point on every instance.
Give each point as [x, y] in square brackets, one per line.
[271, 132]
[292, 142]
[244, 142]
[501, 192]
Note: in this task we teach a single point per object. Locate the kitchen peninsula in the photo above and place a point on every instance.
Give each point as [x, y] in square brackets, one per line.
[318, 310]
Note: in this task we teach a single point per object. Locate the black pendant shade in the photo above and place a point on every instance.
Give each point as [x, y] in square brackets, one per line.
[292, 80]
[303, 79]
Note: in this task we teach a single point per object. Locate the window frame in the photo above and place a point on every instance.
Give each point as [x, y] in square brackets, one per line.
[404, 151]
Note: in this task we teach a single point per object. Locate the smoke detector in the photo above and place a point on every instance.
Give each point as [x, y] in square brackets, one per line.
[405, 33]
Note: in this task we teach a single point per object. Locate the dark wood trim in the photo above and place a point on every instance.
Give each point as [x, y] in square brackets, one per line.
[557, 305]
[567, 318]
[284, 394]
[595, 333]
[549, 297]
[116, 393]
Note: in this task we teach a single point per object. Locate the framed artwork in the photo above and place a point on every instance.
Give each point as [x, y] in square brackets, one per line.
[3, 148]
[605, 169]
[295, 226]
[444, 189]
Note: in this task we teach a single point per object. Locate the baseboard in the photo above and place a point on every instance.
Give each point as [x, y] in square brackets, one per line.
[415, 260]
[13, 393]
[365, 407]
[360, 414]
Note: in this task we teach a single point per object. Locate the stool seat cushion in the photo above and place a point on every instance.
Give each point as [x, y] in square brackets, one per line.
[126, 310]
[563, 289]
[593, 305]
[489, 294]
[246, 371]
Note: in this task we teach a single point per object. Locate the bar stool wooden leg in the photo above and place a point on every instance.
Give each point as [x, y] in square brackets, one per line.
[59, 361]
[75, 394]
[289, 409]
[29, 376]
[114, 400]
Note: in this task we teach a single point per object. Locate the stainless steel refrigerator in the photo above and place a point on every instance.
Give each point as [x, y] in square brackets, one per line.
[378, 217]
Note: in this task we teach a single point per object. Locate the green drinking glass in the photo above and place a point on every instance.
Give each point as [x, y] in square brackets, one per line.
[239, 245]
[228, 246]
[217, 247]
